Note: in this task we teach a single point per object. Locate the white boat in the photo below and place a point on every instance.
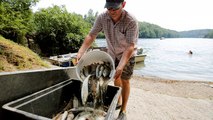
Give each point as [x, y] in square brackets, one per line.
[139, 58]
[162, 38]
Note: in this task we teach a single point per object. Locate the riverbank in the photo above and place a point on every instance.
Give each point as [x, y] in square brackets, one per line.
[164, 99]
[15, 57]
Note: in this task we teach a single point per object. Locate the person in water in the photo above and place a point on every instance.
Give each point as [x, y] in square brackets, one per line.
[190, 52]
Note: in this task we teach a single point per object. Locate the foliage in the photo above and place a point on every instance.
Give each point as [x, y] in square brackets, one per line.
[194, 33]
[209, 35]
[16, 19]
[58, 31]
[147, 30]
[15, 57]
[101, 35]
[90, 17]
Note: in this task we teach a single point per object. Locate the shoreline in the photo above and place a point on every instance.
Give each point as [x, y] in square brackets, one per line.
[164, 99]
[169, 79]
[179, 88]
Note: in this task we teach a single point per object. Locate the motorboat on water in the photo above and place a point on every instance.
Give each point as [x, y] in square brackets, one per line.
[139, 57]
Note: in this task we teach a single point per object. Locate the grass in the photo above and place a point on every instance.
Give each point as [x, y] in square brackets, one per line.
[14, 57]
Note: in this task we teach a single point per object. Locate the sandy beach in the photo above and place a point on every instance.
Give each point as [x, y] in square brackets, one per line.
[163, 99]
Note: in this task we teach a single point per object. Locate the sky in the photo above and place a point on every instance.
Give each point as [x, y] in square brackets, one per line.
[179, 15]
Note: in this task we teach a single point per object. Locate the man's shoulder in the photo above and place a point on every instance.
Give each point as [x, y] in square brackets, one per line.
[103, 15]
[130, 16]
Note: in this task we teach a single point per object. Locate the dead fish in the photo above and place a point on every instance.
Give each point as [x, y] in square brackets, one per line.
[64, 115]
[82, 75]
[83, 116]
[97, 71]
[86, 70]
[70, 116]
[104, 86]
[67, 115]
[106, 72]
[97, 87]
[75, 102]
[80, 109]
[101, 70]
[93, 84]
[93, 67]
[84, 90]
[99, 112]
[57, 117]
[89, 116]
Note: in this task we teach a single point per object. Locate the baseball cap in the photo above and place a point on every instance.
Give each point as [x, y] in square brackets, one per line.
[113, 4]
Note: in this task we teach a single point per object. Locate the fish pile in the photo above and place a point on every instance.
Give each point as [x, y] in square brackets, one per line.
[81, 113]
[97, 69]
[96, 77]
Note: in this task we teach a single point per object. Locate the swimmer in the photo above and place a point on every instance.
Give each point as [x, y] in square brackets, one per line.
[190, 52]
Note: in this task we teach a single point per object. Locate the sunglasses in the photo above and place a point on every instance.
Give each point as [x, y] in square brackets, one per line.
[114, 9]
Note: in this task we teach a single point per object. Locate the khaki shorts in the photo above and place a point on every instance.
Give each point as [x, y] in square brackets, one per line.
[128, 69]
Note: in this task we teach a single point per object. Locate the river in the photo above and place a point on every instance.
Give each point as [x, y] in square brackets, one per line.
[169, 58]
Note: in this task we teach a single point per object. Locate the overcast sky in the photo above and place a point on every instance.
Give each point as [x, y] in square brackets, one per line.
[176, 15]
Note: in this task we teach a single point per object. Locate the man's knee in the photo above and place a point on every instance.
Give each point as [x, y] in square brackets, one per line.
[125, 82]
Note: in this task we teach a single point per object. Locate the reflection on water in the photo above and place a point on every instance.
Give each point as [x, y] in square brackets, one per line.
[139, 65]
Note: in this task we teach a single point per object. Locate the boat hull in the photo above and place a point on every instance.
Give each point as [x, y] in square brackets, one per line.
[139, 58]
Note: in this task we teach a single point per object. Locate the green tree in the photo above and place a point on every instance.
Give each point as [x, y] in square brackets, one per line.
[16, 19]
[90, 16]
[209, 35]
[59, 32]
[147, 30]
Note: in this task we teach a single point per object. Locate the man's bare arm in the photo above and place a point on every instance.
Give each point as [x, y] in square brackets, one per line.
[124, 59]
[86, 44]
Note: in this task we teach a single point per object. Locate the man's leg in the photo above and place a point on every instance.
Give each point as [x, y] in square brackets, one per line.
[118, 83]
[124, 82]
[123, 99]
[125, 94]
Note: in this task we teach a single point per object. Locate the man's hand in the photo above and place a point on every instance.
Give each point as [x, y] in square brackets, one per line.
[124, 60]
[118, 73]
[78, 57]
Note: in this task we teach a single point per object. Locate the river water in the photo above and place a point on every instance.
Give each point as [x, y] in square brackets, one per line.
[169, 58]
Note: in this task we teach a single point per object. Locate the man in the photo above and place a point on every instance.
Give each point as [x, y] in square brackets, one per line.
[121, 32]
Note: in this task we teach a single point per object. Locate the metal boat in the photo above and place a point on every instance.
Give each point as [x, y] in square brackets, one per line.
[140, 58]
